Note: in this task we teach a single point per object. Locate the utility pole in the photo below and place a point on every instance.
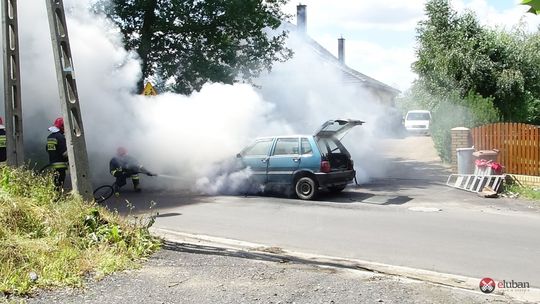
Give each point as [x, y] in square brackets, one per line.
[12, 85]
[69, 99]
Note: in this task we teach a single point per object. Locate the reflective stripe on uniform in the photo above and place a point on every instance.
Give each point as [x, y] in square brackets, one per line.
[59, 165]
[135, 176]
[2, 141]
[113, 172]
[51, 144]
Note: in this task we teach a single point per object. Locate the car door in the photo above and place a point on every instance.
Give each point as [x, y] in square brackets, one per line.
[256, 157]
[284, 160]
[337, 128]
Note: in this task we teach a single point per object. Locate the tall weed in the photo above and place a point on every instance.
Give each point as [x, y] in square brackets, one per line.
[47, 239]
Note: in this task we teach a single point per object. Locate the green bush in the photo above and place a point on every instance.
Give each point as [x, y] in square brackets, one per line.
[49, 240]
[480, 110]
[470, 112]
[27, 184]
[526, 192]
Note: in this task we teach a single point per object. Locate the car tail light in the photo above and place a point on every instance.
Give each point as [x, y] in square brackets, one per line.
[325, 166]
[351, 165]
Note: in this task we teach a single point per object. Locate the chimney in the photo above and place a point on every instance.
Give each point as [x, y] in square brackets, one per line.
[341, 50]
[301, 18]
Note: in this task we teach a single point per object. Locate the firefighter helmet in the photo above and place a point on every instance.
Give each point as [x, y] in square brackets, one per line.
[121, 151]
[59, 123]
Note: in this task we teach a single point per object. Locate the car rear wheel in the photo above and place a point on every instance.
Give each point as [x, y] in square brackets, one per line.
[337, 189]
[306, 188]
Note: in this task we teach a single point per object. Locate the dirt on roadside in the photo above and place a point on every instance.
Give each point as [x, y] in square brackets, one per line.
[181, 274]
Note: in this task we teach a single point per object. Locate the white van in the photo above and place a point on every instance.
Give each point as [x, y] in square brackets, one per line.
[418, 121]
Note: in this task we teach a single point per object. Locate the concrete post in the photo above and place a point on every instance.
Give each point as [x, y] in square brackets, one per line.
[12, 85]
[461, 138]
[69, 99]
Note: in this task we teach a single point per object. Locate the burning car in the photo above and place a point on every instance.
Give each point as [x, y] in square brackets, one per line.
[308, 163]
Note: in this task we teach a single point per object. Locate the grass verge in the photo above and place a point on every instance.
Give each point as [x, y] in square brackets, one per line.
[47, 240]
[523, 192]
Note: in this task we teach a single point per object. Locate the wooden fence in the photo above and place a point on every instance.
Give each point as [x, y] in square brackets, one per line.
[518, 145]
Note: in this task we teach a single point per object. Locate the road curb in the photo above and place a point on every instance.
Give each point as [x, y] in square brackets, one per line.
[531, 295]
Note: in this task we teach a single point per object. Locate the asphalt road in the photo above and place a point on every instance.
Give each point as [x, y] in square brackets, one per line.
[405, 217]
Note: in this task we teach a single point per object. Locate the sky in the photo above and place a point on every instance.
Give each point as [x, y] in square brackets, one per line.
[380, 35]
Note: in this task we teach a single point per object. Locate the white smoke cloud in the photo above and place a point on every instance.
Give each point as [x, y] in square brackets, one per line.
[227, 183]
[170, 133]
[308, 90]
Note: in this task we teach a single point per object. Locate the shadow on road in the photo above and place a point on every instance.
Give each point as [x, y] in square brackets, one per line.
[130, 202]
[407, 174]
[400, 174]
[345, 197]
[273, 254]
[152, 202]
[351, 197]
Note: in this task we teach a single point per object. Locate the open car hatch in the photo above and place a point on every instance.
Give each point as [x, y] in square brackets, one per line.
[337, 128]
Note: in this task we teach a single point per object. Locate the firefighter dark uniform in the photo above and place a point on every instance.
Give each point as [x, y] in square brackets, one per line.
[57, 150]
[3, 154]
[124, 166]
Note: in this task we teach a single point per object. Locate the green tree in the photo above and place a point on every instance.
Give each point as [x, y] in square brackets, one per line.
[191, 42]
[456, 53]
[469, 75]
[534, 4]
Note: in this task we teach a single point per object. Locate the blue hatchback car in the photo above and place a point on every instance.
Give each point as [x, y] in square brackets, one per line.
[308, 163]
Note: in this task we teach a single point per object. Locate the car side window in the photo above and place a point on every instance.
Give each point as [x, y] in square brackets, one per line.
[306, 146]
[286, 146]
[321, 143]
[259, 148]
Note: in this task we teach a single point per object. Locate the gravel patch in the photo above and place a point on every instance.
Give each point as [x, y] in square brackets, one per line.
[178, 275]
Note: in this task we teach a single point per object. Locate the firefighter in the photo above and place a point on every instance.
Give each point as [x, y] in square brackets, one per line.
[57, 150]
[124, 166]
[3, 155]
